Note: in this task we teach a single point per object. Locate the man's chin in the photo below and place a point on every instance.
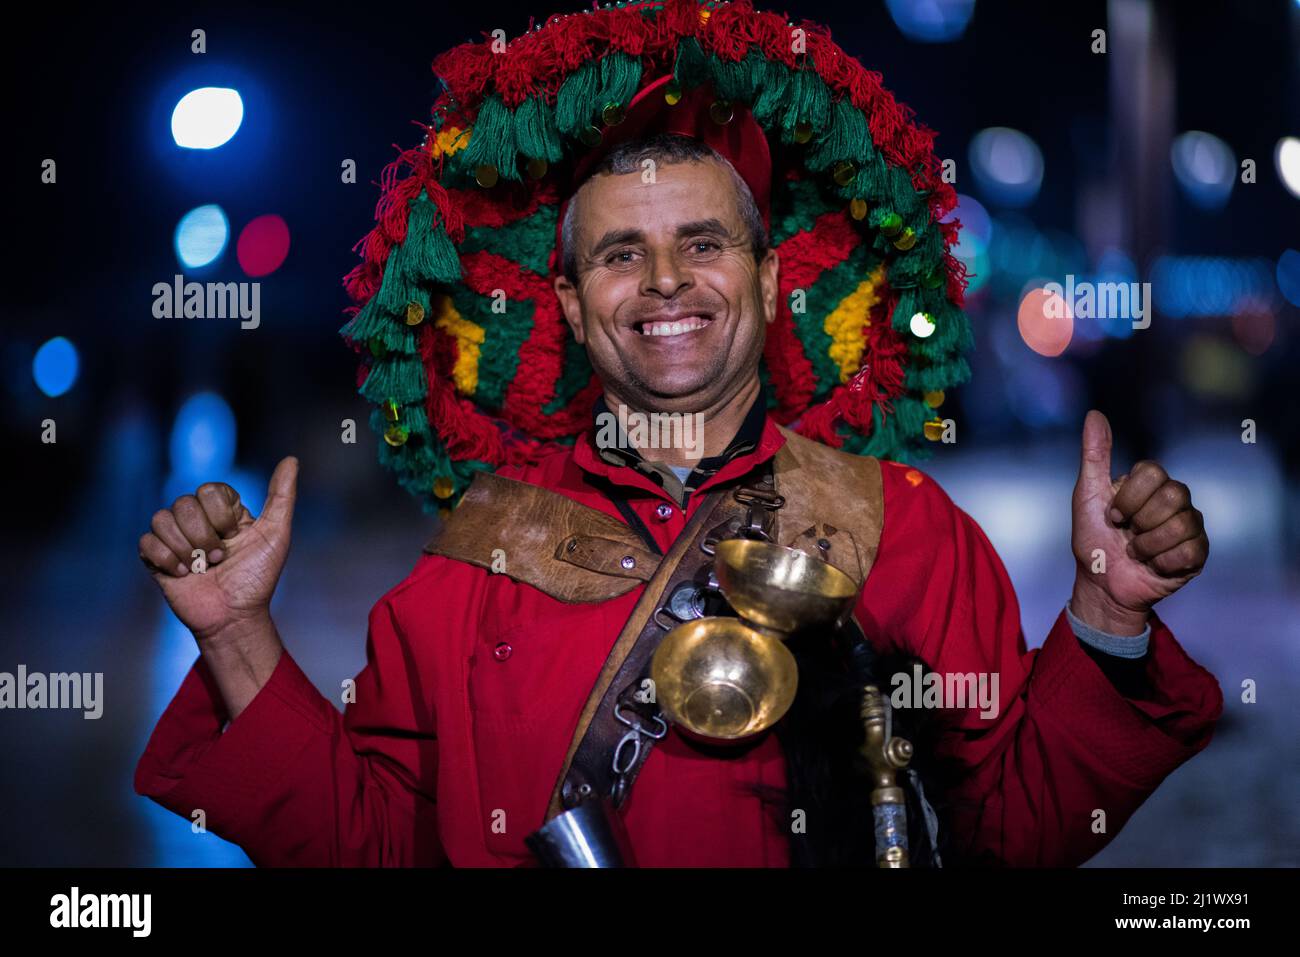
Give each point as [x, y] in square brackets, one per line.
[677, 396]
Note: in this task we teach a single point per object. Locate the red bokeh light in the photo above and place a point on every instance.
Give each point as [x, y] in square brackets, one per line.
[1045, 322]
[263, 245]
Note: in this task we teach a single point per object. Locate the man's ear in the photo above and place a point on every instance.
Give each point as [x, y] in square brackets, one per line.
[768, 278]
[571, 305]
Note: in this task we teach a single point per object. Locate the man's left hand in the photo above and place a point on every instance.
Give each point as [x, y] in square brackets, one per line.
[1153, 540]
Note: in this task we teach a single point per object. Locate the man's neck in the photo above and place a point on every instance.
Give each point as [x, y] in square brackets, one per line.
[718, 427]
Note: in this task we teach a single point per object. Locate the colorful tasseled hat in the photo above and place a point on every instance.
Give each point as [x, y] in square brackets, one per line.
[465, 351]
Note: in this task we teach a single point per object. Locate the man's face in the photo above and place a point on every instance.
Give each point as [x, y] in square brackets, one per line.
[669, 301]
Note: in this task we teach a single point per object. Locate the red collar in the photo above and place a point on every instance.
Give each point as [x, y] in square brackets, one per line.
[587, 457]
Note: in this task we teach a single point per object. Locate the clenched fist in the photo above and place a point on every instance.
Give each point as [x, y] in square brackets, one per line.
[1144, 523]
[244, 555]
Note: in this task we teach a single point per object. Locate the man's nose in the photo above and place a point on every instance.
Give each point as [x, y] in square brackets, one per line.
[665, 273]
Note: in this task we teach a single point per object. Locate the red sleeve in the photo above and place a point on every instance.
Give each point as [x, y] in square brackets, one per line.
[294, 782]
[1026, 782]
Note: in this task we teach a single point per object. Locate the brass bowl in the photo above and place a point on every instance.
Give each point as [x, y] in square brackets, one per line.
[779, 587]
[720, 679]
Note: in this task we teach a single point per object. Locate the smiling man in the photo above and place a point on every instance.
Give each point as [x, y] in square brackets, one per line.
[669, 284]
[505, 679]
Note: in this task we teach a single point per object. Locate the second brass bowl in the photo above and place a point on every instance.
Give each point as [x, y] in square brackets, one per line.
[720, 679]
[779, 587]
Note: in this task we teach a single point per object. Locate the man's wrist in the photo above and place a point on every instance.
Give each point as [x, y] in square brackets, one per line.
[1092, 605]
[238, 633]
[241, 658]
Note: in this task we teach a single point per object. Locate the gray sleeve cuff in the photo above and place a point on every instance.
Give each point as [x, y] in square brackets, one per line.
[1121, 646]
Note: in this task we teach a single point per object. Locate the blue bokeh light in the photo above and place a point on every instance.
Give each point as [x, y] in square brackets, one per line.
[1188, 286]
[55, 366]
[1288, 276]
[1205, 168]
[203, 436]
[1007, 166]
[201, 236]
[931, 21]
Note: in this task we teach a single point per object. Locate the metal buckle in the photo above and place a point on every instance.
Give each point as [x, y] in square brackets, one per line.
[718, 533]
[763, 496]
[752, 495]
[637, 728]
[633, 737]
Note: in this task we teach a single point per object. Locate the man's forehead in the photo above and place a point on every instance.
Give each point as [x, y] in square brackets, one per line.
[678, 193]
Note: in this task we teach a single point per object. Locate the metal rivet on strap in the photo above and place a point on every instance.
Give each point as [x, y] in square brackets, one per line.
[628, 561]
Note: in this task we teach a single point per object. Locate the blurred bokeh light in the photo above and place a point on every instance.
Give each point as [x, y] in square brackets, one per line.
[201, 236]
[263, 245]
[207, 118]
[55, 366]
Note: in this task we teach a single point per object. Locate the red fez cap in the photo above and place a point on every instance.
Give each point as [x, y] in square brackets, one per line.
[741, 140]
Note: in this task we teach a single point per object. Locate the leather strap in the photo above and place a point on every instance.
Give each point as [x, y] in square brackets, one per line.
[612, 712]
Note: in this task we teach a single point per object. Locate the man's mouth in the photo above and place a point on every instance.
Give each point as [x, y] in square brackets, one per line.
[673, 327]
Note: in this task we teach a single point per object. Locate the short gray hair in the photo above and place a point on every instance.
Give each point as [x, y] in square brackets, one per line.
[665, 149]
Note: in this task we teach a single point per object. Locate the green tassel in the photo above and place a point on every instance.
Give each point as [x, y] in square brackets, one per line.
[371, 323]
[871, 183]
[394, 336]
[399, 286]
[906, 202]
[411, 416]
[428, 254]
[900, 435]
[620, 75]
[848, 138]
[908, 305]
[906, 272]
[741, 80]
[400, 378]
[535, 132]
[492, 142]
[691, 67]
[808, 101]
[770, 102]
[935, 377]
[574, 103]
[925, 257]
[412, 458]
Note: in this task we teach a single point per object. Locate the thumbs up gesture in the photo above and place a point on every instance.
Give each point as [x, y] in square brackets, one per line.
[231, 581]
[1143, 523]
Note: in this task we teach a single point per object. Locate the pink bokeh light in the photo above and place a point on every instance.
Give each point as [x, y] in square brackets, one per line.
[263, 245]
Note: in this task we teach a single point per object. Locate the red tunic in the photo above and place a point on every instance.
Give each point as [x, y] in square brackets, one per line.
[474, 684]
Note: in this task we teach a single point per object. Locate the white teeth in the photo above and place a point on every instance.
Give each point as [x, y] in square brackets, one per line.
[689, 324]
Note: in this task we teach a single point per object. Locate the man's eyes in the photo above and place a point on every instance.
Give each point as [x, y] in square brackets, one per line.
[697, 248]
[712, 246]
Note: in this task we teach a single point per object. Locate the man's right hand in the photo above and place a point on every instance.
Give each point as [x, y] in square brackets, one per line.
[244, 555]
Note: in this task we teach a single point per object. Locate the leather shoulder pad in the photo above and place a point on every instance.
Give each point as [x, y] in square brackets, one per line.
[832, 497]
[532, 535]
